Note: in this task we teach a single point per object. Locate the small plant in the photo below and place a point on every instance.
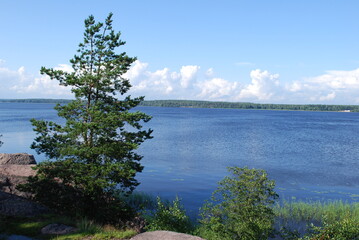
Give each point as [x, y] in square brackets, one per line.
[240, 208]
[140, 201]
[170, 217]
[88, 226]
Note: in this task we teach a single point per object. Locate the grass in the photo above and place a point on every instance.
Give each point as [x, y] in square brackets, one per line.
[31, 227]
[333, 211]
[293, 215]
[141, 201]
[102, 234]
[299, 215]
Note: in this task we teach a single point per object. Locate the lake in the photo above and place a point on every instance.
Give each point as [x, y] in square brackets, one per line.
[310, 155]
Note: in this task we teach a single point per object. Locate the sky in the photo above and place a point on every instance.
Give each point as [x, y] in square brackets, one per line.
[262, 51]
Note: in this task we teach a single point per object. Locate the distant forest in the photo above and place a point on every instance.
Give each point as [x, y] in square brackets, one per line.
[36, 100]
[247, 105]
[209, 104]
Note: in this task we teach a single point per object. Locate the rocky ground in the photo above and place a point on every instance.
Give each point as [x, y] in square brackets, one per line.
[14, 170]
[165, 235]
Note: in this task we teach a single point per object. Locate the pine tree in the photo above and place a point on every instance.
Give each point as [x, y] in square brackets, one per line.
[93, 154]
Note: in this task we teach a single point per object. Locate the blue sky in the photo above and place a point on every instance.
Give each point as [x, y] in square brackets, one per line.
[257, 51]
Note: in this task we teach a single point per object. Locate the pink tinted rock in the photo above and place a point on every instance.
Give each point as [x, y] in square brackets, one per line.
[17, 158]
[165, 235]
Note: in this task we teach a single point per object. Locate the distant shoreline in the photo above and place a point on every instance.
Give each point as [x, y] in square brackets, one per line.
[212, 104]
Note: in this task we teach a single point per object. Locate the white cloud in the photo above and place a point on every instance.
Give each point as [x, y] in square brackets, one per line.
[334, 87]
[337, 79]
[161, 83]
[188, 74]
[64, 67]
[217, 89]
[191, 82]
[155, 83]
[244, 64]
[20, 84]
[264, 86]
[330, 96]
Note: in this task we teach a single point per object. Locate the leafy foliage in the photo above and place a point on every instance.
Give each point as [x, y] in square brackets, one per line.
[240, 208]
[94, 151]
[345, 229]
[170, 217]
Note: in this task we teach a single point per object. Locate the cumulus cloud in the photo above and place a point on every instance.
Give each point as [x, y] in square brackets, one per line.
[157, 83]
[337, 80]
[20, 84]
[193, 82]
[335, 87]
[264, 86]
[188, 74]
[217, 89]
[162, 83]
[190, 83]
[330, 96]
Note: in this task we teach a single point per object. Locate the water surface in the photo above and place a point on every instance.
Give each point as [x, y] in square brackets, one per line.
[310, 155]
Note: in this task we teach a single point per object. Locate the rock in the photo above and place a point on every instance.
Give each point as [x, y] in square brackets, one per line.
[12, 205]
[13, 175]
[14, 170]
[17, 158]
[17, 170]
[165, 235]
[57, 229]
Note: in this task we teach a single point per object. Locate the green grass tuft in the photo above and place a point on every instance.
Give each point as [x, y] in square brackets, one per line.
[332, 211]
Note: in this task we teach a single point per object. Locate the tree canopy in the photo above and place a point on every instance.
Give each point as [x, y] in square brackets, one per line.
[93, 154]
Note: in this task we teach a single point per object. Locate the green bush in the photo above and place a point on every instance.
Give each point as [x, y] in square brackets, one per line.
[170, 217]
[240, 208]
[345, 229]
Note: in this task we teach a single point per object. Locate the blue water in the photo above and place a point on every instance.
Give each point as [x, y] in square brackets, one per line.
[310, 155]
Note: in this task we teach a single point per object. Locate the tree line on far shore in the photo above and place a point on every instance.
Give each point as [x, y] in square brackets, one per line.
[248, 105]
[211, 104]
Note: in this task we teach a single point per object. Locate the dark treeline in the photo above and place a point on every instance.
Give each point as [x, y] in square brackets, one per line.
[36, 100]
[247, 105]
[209, 104]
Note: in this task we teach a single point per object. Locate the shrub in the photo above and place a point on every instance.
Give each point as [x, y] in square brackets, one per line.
[345, 229]
[240, 208]
[170, 217]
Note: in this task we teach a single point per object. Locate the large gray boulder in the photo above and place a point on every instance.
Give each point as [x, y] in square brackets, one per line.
[164, 235]
[17, 158]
